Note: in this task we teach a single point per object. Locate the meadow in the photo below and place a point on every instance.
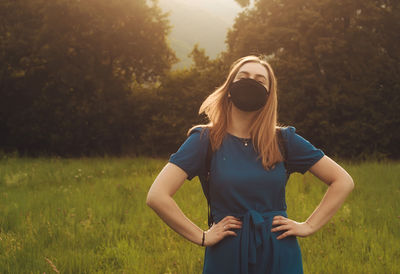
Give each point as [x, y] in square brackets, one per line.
[89, 215]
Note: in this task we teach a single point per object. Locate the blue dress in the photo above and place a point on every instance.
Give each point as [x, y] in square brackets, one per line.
[241, 187]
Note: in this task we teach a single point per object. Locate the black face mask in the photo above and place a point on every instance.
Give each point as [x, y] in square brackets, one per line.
[248, 94]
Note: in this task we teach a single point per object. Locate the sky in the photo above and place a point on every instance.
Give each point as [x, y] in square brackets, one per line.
[205, 22]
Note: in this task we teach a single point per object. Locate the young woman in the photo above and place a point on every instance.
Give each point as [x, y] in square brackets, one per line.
[251, 232]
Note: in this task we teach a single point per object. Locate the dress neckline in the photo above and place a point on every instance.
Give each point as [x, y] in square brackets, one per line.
[244, 141]
[240, 138]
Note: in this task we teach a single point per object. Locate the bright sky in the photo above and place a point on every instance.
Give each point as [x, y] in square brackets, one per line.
[205, 22]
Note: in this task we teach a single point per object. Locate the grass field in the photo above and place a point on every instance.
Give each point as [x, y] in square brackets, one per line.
[90, 216]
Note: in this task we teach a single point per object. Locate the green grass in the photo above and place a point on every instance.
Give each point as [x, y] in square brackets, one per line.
[89, 215]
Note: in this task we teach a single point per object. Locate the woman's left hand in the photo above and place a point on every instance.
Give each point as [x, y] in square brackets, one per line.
[292, 227]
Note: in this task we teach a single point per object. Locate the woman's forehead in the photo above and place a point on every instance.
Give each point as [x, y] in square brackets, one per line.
[253, 68]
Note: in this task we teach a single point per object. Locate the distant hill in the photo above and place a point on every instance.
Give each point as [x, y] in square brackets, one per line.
[205, 22]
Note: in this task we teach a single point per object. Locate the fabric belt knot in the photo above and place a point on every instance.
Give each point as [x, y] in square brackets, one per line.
[256, 231]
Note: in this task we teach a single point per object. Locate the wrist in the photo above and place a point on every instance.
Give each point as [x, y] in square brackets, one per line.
[203, 239]
[205, 242]
[311, 227]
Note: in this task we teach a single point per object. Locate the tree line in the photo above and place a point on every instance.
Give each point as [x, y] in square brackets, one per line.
[83, 78]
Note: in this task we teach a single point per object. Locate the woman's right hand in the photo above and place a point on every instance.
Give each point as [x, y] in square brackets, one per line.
[222, 229]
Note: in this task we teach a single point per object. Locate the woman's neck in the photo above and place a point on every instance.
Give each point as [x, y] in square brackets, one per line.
[240, 122]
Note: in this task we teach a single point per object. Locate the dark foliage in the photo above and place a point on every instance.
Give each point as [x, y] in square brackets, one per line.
[93, 77]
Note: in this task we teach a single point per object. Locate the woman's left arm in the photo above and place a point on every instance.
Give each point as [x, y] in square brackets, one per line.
[340, 185]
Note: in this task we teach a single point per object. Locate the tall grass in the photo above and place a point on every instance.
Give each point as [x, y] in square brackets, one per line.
[89, 216]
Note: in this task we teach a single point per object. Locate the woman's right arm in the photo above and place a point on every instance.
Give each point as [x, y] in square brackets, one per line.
[159, 198]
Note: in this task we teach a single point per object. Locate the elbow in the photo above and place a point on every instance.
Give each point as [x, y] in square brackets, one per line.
[345, 183]
[349, 183]
[155, 200]
[150, 200]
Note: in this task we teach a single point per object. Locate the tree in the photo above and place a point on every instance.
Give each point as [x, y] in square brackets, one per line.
[337, 65]
[68, 70]
[172, 108]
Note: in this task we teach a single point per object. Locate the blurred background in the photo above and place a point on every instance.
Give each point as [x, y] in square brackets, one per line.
[124, 79]
[127, 77]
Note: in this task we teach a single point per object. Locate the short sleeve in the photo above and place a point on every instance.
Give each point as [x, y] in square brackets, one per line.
[301, 154]
[192, 153]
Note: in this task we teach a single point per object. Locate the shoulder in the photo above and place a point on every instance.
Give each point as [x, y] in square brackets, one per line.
[287, 131]
[197, 138]
[292, 137]
[191, 154]
[293, 140]
[301, 153]
[200, 130]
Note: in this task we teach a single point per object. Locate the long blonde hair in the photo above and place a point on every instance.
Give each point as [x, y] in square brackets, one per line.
[217, 107]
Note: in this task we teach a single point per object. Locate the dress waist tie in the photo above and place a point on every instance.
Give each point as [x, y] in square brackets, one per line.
[256, 231]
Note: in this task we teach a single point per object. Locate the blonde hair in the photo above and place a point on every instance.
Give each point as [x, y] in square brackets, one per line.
[217, 107]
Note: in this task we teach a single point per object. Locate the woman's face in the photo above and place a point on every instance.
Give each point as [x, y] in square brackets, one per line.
[255, 71]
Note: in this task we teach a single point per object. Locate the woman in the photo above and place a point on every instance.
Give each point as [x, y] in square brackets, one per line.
[251, 232]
